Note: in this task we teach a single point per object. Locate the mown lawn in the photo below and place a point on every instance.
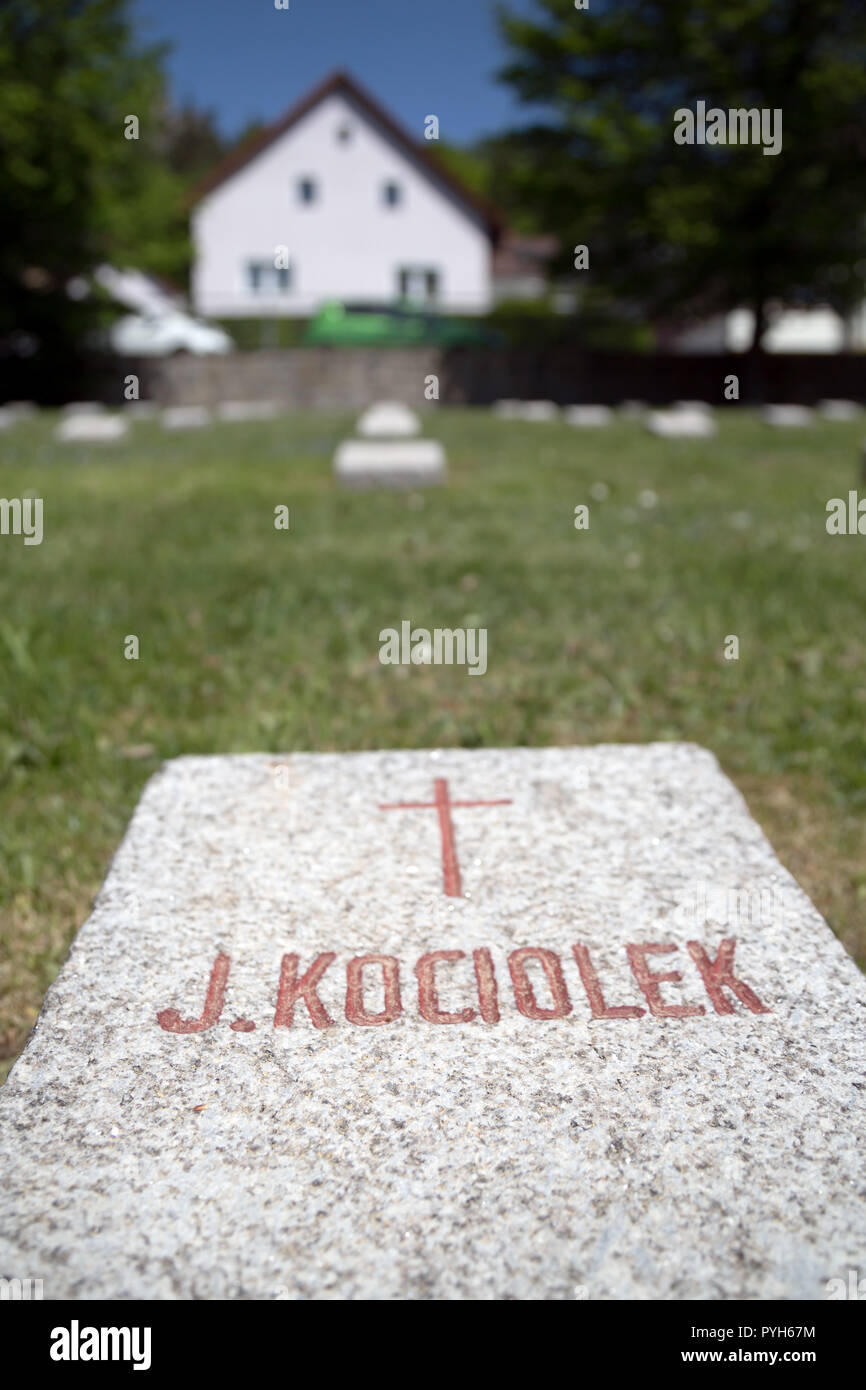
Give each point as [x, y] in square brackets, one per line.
[254, 638]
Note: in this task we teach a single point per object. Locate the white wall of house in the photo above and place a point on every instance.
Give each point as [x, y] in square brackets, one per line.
[790, 330]
[347, 243]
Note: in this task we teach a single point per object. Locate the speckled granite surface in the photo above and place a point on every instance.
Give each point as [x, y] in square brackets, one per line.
[505, 1123]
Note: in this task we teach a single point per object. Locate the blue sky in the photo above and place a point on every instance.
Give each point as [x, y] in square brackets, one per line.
[244, 59]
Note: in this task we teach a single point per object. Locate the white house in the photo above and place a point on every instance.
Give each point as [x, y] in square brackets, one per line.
[336, 201]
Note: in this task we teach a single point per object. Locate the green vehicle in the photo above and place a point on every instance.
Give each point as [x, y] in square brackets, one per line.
[383, 325]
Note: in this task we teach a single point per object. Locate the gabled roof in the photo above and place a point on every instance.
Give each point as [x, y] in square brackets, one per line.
[340, 83]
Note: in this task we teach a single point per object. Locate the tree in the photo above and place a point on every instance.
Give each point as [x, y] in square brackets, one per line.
[191, 142]
[466, 163]
[487, 168]
[693, 229]
[75, 189]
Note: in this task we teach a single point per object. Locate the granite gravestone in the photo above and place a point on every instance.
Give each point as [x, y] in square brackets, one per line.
[839, 410]
[587, 416]
[536, 412]
[240, 412]
[681, 423]
[185, 417]
[367, 463]
[462, 1024]
[81, 428]
[787, 416]
[388, 420]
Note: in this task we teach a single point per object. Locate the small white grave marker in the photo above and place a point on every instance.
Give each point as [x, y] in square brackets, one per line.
[13, 411]
[787, 415]
[840, 410]
[364, 463]
[537, 412]
[587, 416]
[242, 411]
[388, 420]
[680, 424]
[185, 417]
[91, 429]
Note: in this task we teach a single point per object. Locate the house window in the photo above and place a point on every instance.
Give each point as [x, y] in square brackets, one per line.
[266, 279]
[344, 134]
[392, 195]
[308, 190]
[418, 284]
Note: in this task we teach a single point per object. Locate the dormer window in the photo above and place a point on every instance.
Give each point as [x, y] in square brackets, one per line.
[392, 195]
[308, 190]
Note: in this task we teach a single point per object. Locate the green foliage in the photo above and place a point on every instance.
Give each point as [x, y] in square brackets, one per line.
[700, 228]
[596, 324]
[191, 143]
[249, 335]
[73, 190]
[468, 164]
[490, 168]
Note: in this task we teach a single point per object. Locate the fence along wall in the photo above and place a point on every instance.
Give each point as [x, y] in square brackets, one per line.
[302, 378]
[349, 378]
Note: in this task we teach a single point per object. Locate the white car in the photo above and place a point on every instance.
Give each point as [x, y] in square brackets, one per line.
[162, 333]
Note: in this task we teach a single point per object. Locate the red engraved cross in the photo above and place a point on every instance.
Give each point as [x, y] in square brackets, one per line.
[442, 803]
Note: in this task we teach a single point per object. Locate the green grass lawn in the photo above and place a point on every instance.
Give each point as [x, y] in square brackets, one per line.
[257, 639]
